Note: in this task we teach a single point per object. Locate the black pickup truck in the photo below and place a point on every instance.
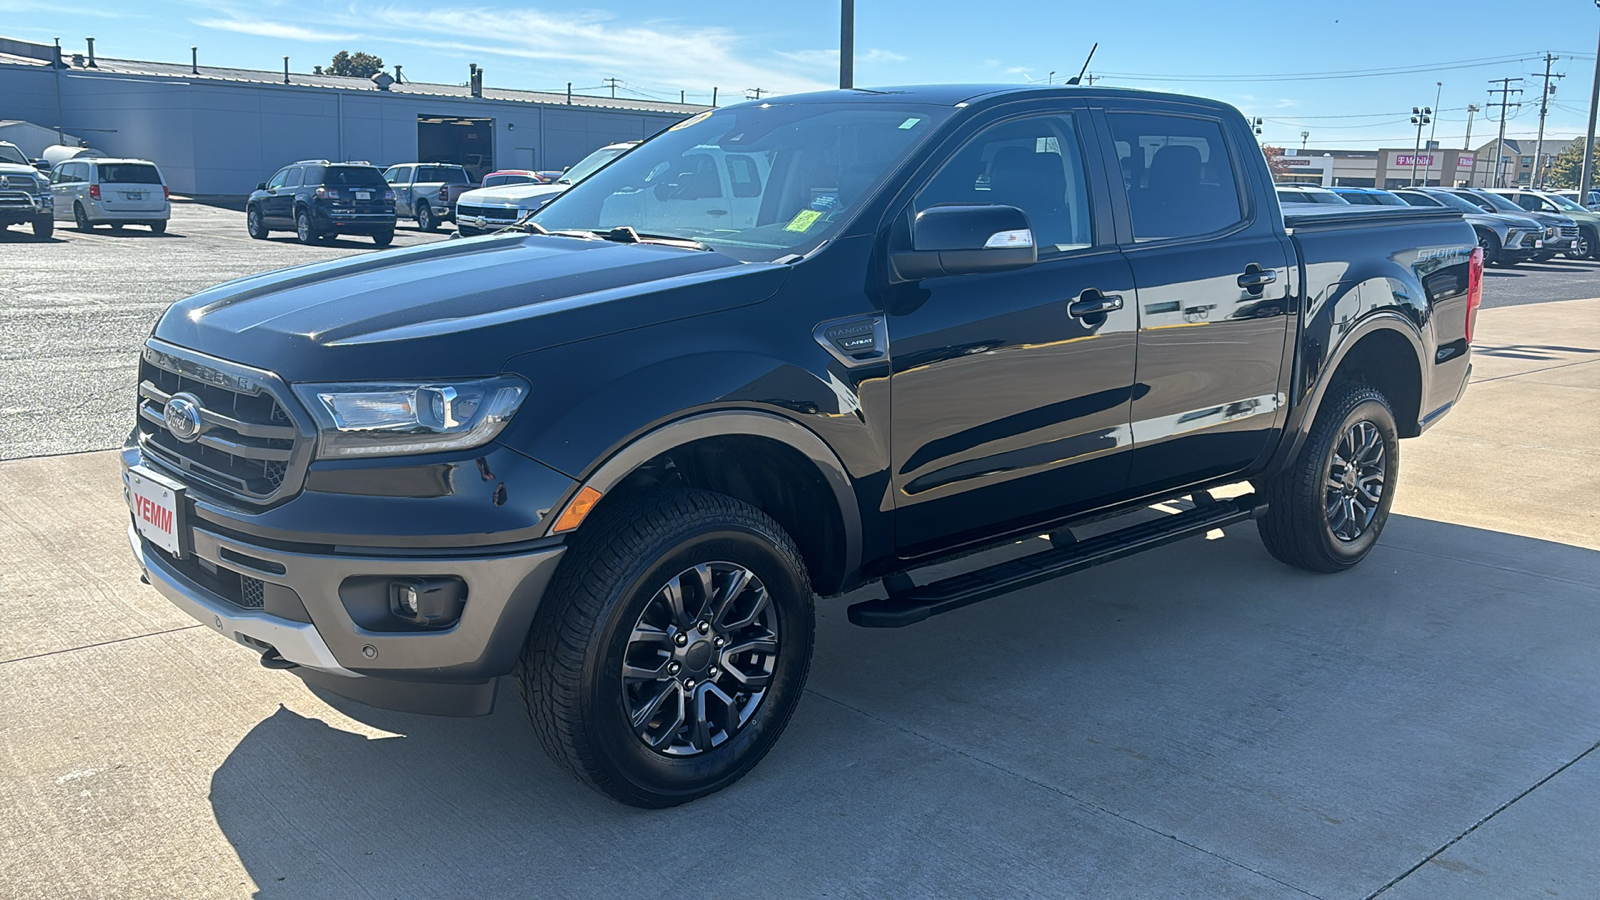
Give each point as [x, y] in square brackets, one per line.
[782, 350]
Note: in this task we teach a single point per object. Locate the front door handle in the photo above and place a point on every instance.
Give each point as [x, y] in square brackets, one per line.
[1255, 278]
[1093, 303]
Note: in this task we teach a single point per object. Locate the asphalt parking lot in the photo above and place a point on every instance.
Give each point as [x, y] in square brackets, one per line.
[1197, 722]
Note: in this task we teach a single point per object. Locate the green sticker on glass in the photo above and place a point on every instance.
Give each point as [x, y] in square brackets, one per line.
[803, 221]
[909, 123]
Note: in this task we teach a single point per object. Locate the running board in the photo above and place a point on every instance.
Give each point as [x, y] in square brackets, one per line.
[909, 603]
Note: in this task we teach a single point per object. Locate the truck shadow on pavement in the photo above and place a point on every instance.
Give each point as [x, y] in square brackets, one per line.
[1322, 732]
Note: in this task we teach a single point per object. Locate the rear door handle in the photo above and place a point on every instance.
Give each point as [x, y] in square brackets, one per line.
[1257, 278]
[1093, 303]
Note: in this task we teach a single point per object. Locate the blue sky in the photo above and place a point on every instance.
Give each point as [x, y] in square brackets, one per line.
[1301, 66]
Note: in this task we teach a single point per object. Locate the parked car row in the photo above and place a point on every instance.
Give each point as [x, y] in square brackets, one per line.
[493, 207]
[1513, 224]
[88, 191]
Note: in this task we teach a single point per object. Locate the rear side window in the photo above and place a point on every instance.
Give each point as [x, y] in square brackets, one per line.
[1361, 199]
[1178, 173]
[129, 173]
[294, 177]
[314, 174]
[1034, 164]
[352, 176]
[744, 176]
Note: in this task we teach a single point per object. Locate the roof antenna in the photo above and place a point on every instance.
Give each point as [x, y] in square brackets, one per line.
[1079, 77]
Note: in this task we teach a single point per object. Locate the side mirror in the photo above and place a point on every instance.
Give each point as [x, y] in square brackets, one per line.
[42, 165]
[966, 240]
[262, 186]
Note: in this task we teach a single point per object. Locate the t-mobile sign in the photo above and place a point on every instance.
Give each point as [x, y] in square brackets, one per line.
[1407, 159]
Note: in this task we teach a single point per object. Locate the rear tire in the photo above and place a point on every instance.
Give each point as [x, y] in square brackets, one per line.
[43, 229]
[158, 227]
[631, 674]
[80, 218]
[303, 229]
[1327, 509]
[383, 238]
[425, 218]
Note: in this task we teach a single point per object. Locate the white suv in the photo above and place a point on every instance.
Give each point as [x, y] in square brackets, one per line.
[113, 192]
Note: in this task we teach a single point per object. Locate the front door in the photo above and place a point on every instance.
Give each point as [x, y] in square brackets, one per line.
[1008, 409]
[278, 201]
[1214, 295]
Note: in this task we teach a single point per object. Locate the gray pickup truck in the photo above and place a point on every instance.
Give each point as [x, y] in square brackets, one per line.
[427, 192]
[24, 193]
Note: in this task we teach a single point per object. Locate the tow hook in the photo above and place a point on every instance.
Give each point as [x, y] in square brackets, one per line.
[272, 660]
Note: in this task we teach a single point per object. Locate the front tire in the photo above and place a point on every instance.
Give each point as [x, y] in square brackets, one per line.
[43, 229]
[1491, 247]
[255, 224]
[671, 648]
[426, 221]
[158, 227]
[1327, 509]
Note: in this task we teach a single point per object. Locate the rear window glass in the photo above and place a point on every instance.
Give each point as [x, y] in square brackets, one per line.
[350, 176]
[497, 180]
[129, 173]
[447, 174]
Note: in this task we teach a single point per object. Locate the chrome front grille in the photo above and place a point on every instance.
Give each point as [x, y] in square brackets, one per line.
[249, 444]
[495, 213]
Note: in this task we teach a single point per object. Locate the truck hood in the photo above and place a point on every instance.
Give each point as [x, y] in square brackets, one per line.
[511, 194]
[456, 308]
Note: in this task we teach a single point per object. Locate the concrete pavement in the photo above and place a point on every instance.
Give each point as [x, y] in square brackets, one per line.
[1195, 722]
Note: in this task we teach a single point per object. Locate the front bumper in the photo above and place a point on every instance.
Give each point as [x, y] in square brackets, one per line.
[326, 610]
[20, 206]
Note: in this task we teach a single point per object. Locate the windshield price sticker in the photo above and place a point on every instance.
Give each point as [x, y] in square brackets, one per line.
[909, 123]
[803, 221]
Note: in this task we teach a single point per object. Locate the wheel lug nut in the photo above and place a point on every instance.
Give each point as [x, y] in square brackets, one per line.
[712, 671]
[689, 684]
[718, 642]
[672, 668]
[681, 639]
[705, 627]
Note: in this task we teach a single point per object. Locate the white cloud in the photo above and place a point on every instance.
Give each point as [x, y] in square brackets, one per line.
[261, 28]
[831, 57]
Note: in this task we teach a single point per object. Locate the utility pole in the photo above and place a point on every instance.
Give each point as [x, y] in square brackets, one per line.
[1544, 106]
[1437, 93]
[755, 93]
[847, 44]
[1505, 90]
[1419, 118]
[1304, 136]
[1466, 144]
[613, 82]
[1585, 181]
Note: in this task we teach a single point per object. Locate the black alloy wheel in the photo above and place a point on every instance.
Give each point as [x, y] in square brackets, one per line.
[1491, 247]
[699, 659]
[1355, 481]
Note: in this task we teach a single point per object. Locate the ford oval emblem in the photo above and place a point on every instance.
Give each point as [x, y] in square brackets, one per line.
[182, 413]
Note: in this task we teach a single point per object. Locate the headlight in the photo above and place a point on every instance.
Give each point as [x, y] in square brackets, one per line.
[395, 419]
[1550, 231]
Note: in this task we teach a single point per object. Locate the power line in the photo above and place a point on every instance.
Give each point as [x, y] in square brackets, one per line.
[1332, 74]
[1505, 91]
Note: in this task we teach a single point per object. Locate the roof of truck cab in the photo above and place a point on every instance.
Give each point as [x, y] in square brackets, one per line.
[953, 94]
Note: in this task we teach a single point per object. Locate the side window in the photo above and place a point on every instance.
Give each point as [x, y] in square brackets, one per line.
[1034, 164]
[277, 180]
[399, 175]
[744, 177]
[294, 177]
[1178, 174]
[698, 179]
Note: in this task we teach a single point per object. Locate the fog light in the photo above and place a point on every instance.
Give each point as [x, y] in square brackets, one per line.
[430, 602]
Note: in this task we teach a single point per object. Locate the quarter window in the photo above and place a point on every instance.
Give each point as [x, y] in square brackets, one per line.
[1034, 164]
[294, 177]
[1178, 175]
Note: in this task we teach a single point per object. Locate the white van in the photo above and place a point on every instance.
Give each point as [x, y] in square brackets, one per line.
[113, 192]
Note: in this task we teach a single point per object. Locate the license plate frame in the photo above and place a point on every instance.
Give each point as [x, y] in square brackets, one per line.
[160, 513]
[363, 195]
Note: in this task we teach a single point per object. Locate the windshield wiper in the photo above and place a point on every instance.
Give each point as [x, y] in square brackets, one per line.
[624, 234]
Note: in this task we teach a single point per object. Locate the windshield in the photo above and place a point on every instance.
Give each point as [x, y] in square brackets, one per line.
[1565, 202]
[1499, 203]
[498, 180]
[10, 154]
[756, 182]
[1455, 202]
[589, 164]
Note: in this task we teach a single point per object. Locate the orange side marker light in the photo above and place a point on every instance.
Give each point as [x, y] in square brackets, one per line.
[577, 510]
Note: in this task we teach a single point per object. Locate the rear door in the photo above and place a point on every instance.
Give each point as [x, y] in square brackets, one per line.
[131, 187]
[1007, 408]
[1211, 264]
[399, 178]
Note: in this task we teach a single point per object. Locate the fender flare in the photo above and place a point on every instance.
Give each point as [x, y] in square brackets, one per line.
[679, 432]
[1299, 421]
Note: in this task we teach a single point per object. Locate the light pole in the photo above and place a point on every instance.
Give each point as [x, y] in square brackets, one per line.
[1585, 180]
[1419, 118]
[1304, 136]
[847, 43]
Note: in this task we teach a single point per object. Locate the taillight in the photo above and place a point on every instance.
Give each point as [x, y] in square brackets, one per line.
[94, 192]
[1474, 289]
[388, 195]
[166, 194]
[444, 193]
[332, 193]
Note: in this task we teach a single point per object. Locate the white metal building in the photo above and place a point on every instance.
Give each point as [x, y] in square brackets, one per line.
[221, 130]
